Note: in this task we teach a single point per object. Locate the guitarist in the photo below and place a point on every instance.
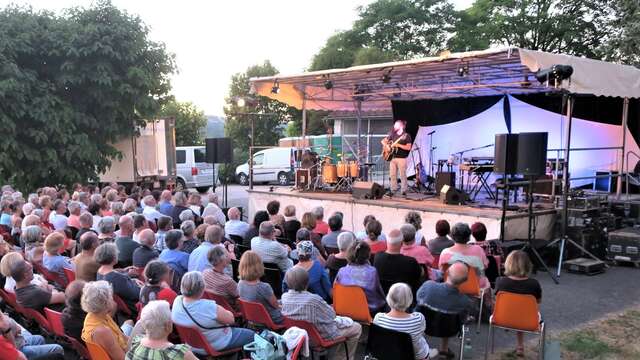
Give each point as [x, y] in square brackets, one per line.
[400, 142]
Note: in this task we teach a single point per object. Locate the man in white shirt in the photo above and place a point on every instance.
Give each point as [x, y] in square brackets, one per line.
[150, 213]
[57, 217]
[235, 226]
[269, 250]
[212, 209]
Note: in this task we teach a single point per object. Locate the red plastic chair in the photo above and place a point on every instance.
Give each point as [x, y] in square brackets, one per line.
[96, 352]
[296, 351]
[435, 264]
[10, 299]
[70, 274]
[222, 301]
[258, 314]
[194, 338]
[38, 318]
[55, 321]
[122, 306]
[318, 343]
[49, 276]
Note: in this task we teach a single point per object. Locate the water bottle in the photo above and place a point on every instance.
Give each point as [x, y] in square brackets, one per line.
[468, 350]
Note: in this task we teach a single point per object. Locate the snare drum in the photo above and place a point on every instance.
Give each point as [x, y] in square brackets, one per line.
[329, 174]
[342, 169]
[354, 169]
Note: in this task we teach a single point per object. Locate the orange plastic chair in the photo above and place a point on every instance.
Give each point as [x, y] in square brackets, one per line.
[318, 343]
[351, 301]
[194, 338]
[471, 287]
[519, 313]
[97, 352]
[222, 301]
[258, 314]
[70, 274]
[79, 348]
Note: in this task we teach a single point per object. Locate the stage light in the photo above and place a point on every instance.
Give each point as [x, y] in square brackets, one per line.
[554, 75]
[526, 83]
[276, 87]
[463, 70]
[386, 77]
[240, 102]
[328, 84]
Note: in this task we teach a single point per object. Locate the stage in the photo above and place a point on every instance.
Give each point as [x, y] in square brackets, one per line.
[391, 211]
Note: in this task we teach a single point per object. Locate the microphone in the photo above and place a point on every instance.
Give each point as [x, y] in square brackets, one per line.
[431, 132]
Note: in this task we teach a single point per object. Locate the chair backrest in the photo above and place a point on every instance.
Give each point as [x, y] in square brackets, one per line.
[273, 277]
[389, 344]
[331, 250]
[194, 338]
[235, 266]
[296, 351]
[97, 352]
[38, 318]
[122, 306]
[516, 311]
[237, 239]
[256, 313]
[315, 338]
[9, 298]
[50, 276]
[469, 287]
[439, 324]
[55, 320]
[436, 262]
[79, 348]
[70, 274]
[219, 299]
[351, 301]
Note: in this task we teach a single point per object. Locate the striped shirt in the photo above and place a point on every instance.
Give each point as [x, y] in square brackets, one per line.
[221, 284]
[271, 251]
[413, 325]
[303, 305]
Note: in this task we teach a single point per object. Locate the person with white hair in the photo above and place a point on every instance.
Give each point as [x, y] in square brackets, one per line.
[74, 215]
[322, 227]
[57, 217]
[145, 253]
[28, 208]
[198, 258]
[400, 299]
[155, 322]
[393, 267]
[180, 205]
[149, 211]
[190, 242]
[165, 207]
[269, 249]
[235, 226]
[187, 215]
[212, 209]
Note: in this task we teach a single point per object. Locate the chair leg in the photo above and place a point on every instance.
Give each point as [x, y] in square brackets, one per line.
[489, 340]
[346, 350]
[480, 312]
[462, 340]
[541, 346]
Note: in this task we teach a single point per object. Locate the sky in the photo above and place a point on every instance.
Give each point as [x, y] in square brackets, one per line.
[214, 39]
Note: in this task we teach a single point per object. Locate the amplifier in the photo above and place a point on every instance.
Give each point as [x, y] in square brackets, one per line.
[591, 239]
[303, 178]
[624, 244]
[584, 266]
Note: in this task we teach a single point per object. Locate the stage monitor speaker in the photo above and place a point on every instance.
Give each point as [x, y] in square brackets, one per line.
[445, 178]
[367, 190]
[219, 150]
[506, 154]
[452, 196]
[532, 153]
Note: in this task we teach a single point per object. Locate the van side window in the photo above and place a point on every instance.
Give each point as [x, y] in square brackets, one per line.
[258, 159]
[200, 155]
[181, 156]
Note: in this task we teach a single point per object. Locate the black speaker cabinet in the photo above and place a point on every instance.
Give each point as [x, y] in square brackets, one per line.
[532, 153]
[219, 150]
[367, 190]
[445, 178]
[452, 196]
[506, 154]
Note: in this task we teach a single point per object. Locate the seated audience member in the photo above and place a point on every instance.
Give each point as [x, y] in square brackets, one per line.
[190, 308]
[145, 252]
[57, 218]
[180, 205]
[86, 265]
[414, 218]
[51, 260]
[32, 237]
[106, 229]
[393, 267]
[216, 281]
[125, 243]
[337, 261]
[126, 288]
[269, 250]
[516, 280]
[445, 298]
[157, 287]
[164, 225]
[462, 251]
[259, 217]
[318, 279]
[490, 247]
[149, 211]
[299, 304]
[250, 288]
[291, 224]
[86, 224]
[360, 273]
[411, 248]
[210, 220]
[374, 230]
[156, 325]
[198, 259]
[99, 327]
[213, 209]
[31, 347]
[200, 232]
[305, 235]
[362, 234]
[140, 224]
[400, 298]
[165, 205]
[322, 227]
[30, 295]
[273, 207]
[442, 241]
[331, 239]
[189, 243]
[309, 223]
[235, 226]
[7, 262]
[117, 208]
[73, 315]
[172, 255]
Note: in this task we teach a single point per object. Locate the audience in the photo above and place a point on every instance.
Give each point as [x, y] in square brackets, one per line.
[106, 229]
[462, 251]
[393, 267]
[52, 260]
[165, 207]
[158, 277]
[321, 227]
[73, 315]
[57, 218]
[32, 347]
[189, 243]
[259, 217]
[213, 209]
[126, 288]
[269, 250]
[250, 288]
[173, 256]
[86, 265]
[309, 223]
[291, 224]
[411, 248]
[235, 226]
[164, 224]
[490, 247]
[362, 234]
[149, 210]
[215, 279]
[299, 304]
[139, 225]
[32, 237]
[86, 225]
[330, 241]
[360, 273]
[273, 207]
[7, 262]
[33, 296]
[180, 205]
[337, 261]
[318, 278]
[125, 243]
[198, 259]
[414, 218]
[145, 252]
[374, 231]
[442, 241]
[189, 310]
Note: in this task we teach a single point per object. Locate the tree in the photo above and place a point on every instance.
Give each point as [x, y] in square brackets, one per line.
[625, 43]
[339, 51]
[71, 85]
[190, 122]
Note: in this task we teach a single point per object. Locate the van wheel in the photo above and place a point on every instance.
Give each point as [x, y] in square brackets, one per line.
[243, 179]
[202, 189]
[283, 178]
[180, 185]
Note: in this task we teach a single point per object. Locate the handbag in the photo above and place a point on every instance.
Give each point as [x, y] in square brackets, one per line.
[267, 346]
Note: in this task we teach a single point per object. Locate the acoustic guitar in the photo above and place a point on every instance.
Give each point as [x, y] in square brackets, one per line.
[389, 150]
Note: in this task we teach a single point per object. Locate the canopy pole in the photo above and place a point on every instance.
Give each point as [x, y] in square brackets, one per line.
[304, 119]
[358, 130]
[621, 169]
[565, 180]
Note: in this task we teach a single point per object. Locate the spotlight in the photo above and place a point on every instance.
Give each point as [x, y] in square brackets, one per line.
[241, 102]
[526, 83]
[276, 87]
[554, 75]
[386, 77]
[328, 84]
[463, 70]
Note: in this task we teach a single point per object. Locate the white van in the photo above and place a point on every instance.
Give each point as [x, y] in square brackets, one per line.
[193, 170]
[269, 165]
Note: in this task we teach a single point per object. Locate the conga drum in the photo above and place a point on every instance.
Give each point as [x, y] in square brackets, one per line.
[329, 174]
[342, 169]
[354, 169]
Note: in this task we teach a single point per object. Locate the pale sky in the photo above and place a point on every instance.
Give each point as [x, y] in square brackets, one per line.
[214, 39]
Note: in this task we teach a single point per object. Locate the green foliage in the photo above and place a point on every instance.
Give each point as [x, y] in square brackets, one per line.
[339, 51]
[69, 86]
[625, 43]
[371, 55]
[588, 345]
[190, 122]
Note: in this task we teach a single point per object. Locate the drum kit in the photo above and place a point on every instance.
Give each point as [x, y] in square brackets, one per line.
[328, 176]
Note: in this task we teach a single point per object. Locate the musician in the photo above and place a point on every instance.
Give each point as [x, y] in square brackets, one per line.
[400, 142]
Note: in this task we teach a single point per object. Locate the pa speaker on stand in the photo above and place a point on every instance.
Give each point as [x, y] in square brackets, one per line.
[219, 151]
